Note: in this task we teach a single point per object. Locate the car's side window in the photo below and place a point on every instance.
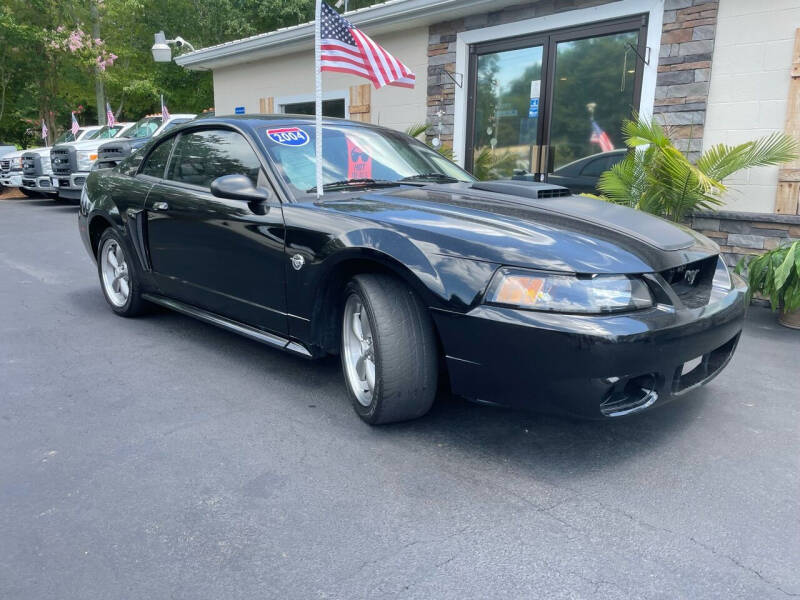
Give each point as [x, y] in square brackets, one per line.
[596, 167]
[157, 160]
[202, 156]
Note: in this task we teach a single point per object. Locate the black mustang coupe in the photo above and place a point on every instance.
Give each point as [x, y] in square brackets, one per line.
[512, 292]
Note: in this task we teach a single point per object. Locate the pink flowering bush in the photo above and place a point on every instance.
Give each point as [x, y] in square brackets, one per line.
[81, 44]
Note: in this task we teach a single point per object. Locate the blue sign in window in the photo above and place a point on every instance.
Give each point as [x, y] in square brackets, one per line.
[533, 111]
[239, 110]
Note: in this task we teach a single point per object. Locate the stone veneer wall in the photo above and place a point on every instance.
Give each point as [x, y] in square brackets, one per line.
[742, 234]
[684, 70]
[684, 63]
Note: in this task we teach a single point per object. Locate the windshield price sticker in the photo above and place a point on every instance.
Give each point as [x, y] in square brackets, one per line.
[288, 136]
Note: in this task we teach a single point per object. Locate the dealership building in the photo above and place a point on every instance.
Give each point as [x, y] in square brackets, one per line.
[538, 85]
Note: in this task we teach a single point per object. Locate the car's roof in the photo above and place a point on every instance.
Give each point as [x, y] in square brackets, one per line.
[259, 120]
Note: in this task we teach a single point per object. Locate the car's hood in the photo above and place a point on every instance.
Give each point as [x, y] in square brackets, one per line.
[16, 154]
[39, 151]
[90, 144]
[572, 233]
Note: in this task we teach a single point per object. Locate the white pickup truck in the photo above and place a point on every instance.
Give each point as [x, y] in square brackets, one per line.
[72, 162]
[12, 168]
[37, 166]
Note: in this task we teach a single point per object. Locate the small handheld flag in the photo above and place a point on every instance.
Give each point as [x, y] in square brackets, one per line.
[110, 120]
[44, 132]
[347, 49]
[164, 111]
[600, 137]
[75, 125]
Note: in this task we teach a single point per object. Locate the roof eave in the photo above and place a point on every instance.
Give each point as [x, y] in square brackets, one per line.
[379, 19]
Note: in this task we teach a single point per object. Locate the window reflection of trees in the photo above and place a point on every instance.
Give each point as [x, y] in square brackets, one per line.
[599, 70]
[202, 156]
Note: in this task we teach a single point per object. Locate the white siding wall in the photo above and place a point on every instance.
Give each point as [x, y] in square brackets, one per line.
[293, 75]
[749, 88]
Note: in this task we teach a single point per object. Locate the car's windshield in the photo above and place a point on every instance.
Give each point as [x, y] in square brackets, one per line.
[91, 135]
[143, 128]
[173, 123]
[359, 155]
[67, 136]
[107, 132]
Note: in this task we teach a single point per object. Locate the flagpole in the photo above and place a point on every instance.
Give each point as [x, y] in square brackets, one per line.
[318, 93]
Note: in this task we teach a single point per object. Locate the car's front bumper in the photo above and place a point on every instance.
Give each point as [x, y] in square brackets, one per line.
[11, 180]
[589, 366]
[70, 186]
[42, 184]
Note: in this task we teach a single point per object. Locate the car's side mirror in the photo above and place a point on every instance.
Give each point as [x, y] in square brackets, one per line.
[239, 187]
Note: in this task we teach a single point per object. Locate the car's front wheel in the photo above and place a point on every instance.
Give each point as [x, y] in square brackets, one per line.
[388, 350]
[118, 276]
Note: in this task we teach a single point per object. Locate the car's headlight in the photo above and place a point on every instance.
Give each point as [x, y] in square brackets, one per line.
[86, 160]
[590, 294]
[722, 276]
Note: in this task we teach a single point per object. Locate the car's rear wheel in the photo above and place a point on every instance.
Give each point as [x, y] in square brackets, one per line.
[388, 350]
[118, 276]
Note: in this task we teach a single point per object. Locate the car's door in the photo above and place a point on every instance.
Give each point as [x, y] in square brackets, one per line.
[223, 255]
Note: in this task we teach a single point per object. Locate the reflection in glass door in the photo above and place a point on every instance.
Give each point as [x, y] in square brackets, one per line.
[593, 92]
[505, 135]
[539, 103]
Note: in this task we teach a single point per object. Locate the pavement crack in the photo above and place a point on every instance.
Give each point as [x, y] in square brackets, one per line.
[743, 566]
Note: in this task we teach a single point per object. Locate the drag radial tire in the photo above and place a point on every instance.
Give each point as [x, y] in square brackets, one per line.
[388, 350]
[118, 275]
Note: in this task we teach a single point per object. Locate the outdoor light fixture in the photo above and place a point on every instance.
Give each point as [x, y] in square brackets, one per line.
[161, 48]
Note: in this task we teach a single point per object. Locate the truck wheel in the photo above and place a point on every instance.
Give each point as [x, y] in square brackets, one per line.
[388, 350]
[118, 276]
[29, 193]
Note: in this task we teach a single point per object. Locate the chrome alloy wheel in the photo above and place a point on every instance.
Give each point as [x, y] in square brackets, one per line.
[116, 279]
[359, 351]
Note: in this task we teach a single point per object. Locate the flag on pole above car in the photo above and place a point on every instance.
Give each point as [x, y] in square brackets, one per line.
[75, 125]
[341, 47]
[164, 111]
[44, 132]
[110, 120]
[347, 49]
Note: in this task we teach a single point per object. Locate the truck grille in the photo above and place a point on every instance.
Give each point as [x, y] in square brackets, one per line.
[5, 166]
[692, 282]
[62, 159]
[111, 154]
[31, 165]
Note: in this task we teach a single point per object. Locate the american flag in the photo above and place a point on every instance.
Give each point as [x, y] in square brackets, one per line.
[164, 111]
[75, 126]
[600, 137]
[345, 49]
[44, 131]
[110, 120]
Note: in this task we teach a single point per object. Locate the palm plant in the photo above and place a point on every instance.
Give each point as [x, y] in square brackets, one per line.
[418, 129]
[491, 164]
[658, 178]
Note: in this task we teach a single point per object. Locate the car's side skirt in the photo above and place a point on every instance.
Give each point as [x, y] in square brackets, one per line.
[247, 331]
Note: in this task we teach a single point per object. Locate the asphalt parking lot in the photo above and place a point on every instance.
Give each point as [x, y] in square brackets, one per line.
[163, 458]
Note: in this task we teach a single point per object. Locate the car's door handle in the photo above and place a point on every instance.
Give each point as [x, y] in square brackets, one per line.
[160, 206]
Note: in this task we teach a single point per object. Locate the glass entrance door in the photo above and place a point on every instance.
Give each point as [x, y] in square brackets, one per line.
[505, 132]
[594, 90]
[539, 105]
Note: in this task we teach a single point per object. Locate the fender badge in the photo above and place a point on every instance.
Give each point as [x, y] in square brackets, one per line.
[298, 261]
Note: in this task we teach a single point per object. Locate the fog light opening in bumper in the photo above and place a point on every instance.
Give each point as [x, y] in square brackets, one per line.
[637, 394]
